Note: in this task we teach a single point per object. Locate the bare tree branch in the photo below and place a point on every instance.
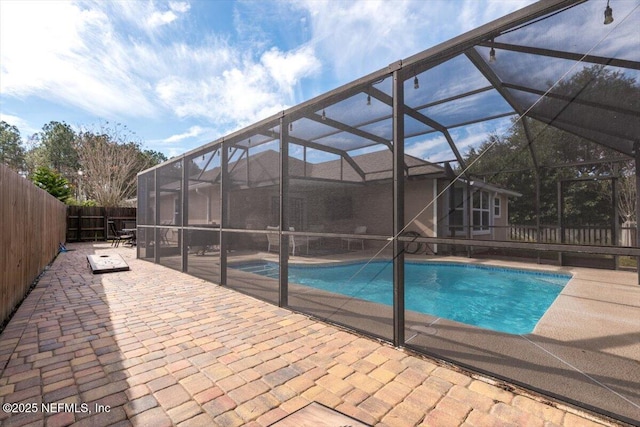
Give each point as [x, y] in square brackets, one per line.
[110, 160]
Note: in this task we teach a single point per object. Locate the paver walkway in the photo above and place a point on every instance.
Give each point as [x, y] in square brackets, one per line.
[157, 347]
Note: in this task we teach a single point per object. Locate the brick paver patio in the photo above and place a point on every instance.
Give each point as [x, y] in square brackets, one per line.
[155, 347]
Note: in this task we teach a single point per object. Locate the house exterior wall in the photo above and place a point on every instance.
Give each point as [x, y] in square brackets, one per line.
[372, 206]
[167, 209]
[498, 229]
[501, 223]
[204, 206]
[419, 194]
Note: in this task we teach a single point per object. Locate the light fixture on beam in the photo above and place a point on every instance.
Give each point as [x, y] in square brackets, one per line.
[492, 53]
[368, 99]
[291, 127]
[608, 14]
[324, 115]
[416, 83]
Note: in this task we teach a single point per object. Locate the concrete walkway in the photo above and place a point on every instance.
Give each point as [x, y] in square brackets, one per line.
[155, 347]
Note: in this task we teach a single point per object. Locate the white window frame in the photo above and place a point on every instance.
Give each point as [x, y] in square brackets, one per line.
[461, 209]
[497, 198]
[482, 209]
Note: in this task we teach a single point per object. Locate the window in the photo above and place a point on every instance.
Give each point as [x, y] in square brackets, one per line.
[496, 207]
[456, 211]
[480, 212]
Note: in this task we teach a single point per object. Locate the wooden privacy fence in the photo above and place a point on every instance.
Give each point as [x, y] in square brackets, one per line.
[91, 223]
[32, 226]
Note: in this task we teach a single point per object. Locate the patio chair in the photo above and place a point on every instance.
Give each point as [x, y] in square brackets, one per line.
[274, 239]
[118, 236]
[361, 229]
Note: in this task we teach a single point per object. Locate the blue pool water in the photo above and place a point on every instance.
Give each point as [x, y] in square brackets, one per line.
[505, 300]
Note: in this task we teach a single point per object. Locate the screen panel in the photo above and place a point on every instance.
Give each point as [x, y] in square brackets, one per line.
[252, 264]
[203, 253]
[169, 247]
[146, 212]
[169, 193]
[253, 181]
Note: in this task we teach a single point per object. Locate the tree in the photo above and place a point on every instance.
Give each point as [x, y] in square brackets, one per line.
[53, 183]
[561, 155]
[110, 162]
[508, 163]
[58, 145]
[35, 155]
[11, 150]
[155, 157]
[627, 194]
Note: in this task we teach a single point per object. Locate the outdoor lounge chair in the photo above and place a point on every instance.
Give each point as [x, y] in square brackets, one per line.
[314, 229]
[274, 240]
[361, 229]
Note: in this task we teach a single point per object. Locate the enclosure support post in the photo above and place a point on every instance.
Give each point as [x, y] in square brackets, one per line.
[283, 297]
[534, 159]
[156, 218]
[636, 151]
[469, 215]
[184, 215]
[614, 220]
[538, 230]
[560, 224]
[398, 208]
[224, 222]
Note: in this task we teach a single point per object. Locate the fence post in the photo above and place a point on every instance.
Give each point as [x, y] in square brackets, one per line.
[79, 226]
[105, 224]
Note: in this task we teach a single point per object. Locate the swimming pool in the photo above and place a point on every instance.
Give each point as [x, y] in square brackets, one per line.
[501, 299]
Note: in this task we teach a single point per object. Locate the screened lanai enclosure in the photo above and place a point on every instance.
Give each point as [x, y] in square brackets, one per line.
[474, 202]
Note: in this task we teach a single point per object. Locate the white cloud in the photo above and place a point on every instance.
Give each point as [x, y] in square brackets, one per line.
[179, 6]
[359, 37]
[287, 68]
[157, 18]
[239, 90]
[435, 148]
[192, 132]
[93, 65]
[135, 60]
[23, 126]
[425, 149]
[147, 15]
[61, 52]
[472, 13]
[160, 18]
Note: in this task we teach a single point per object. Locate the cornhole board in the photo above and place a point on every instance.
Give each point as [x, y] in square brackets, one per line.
[317, 415]
[106, 263]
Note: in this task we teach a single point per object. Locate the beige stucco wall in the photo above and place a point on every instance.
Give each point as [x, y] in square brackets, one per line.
[372, 205]
[418, 196]
[198, 202]
[167, 205]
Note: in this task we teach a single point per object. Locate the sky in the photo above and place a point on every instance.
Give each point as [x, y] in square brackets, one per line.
[179, 74]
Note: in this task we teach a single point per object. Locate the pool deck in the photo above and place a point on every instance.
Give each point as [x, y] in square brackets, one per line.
[160, 348]
[585, 349]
